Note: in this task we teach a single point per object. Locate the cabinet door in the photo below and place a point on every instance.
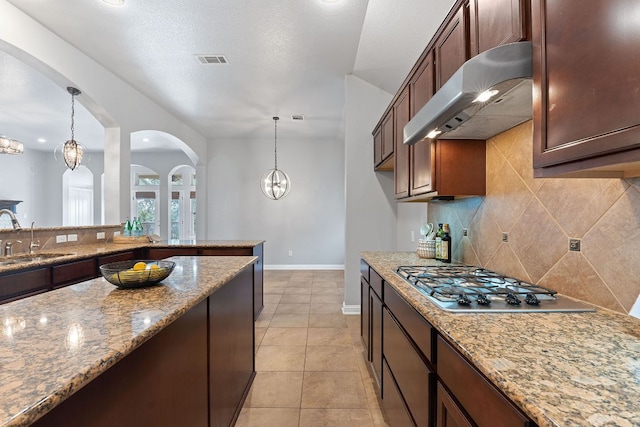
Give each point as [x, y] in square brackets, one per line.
[394, 408]
[387, 142]
[162, 253]
[586, 98]
[74, 272]
[365, 317]
[496, 22]
[451, 48]
[449, 413]
[377, 146]
[421, 89]
[376, 335]
[22, 283]
[401, 168]
[122, 256]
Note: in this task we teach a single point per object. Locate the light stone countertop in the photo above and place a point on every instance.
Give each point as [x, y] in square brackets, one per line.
[54, 343]
[72, 253]
[561, 369]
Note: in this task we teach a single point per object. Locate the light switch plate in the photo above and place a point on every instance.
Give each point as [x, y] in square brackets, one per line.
[72, 237]
[61, 239]
[574, 245]
[100, 235]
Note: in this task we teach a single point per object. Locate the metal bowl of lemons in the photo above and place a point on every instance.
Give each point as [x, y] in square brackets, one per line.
[136, 274]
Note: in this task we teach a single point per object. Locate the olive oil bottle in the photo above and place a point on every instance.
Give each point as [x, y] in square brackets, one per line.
[439, 235]
[445, 255]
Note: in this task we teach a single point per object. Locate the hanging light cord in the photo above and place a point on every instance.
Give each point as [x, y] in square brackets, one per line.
[275, 145]
[73, 139]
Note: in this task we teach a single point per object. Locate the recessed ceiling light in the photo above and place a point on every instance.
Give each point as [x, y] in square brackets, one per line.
[114, 2]
[145, 139]
[331, 1]
[41, 140]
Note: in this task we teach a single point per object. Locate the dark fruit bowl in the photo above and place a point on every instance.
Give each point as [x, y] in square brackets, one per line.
[123, 274]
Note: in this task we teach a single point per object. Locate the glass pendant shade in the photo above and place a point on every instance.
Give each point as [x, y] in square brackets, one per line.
[72, 153]
[10, 146]
[275, 183]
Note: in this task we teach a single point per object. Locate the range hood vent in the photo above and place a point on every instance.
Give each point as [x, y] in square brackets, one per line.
[454, 111]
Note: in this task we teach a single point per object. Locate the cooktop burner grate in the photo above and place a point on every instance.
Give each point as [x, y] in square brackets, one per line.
[467, 288]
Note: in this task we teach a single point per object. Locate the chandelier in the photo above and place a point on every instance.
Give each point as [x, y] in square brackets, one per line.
[10, 146]
[71, 150]
[275, 183]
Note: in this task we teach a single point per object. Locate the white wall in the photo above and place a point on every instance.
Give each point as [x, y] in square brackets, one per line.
[309, 221]
[411, 216]
[370, 208]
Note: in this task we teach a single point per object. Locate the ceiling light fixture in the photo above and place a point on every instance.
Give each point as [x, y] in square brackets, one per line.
[275, 183]
[10, 146]
[114, 2]
[72, 151]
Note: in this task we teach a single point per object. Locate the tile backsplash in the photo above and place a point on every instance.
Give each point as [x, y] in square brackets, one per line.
[47, 236]
[540, 216]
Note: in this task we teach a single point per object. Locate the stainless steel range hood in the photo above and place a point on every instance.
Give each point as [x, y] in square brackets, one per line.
[454, 112]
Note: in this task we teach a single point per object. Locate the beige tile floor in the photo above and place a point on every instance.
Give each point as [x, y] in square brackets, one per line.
[310, 368]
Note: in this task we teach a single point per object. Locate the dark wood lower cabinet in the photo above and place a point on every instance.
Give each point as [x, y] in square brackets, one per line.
[365, 317]
[449, 413]
[20, 284]
[195, 372]
[395, 411]
[162, 383]
[231, 352]
[73, 272]
[412, 376]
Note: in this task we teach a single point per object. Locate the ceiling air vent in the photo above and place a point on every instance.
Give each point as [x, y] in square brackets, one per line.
[212, 59]
[297, 117]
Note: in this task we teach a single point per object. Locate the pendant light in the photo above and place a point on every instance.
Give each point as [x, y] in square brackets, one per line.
[10, 146]
[72, 151]
[275, 183]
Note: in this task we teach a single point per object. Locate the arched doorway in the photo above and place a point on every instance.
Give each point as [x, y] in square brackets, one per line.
[183, 205]
[145, 198]
[77, 197]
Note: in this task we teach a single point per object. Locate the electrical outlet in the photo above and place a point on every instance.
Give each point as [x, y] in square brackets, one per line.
[465, 232]
[72, 237]
[100, 235]
[290, 253]
[413, 236]
[61, 239]
[505, 236]
[116, 233]
[574, 245]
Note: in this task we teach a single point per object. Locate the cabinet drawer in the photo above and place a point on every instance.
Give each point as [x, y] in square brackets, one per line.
[418, 329]
[24, 282]
[74, 272]
[122, 256]
[449, 414]
[376, 282]
[226, 251]
[162, 253]
[364, 270]
[481, 400]
[394, 409]
[414, 379]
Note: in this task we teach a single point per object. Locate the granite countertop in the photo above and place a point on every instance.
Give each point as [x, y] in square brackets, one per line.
[561, 369]
[54, 343]
[71, 253]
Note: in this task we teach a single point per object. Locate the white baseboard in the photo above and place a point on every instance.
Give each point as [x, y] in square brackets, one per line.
[350, 310]
[304, 267]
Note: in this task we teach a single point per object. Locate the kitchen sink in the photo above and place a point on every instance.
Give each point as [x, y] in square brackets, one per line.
[27, 258]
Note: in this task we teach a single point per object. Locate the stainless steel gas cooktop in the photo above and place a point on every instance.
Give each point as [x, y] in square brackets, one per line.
[478, 290]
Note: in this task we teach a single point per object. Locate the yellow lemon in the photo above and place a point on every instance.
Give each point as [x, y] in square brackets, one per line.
[139, 266]
[154, 266]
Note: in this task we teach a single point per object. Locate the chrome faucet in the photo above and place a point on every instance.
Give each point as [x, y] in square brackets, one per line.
[14, 220]
[32, 244]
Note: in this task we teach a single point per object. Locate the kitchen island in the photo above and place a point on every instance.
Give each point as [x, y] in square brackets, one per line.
[99, 355]
[560, 369]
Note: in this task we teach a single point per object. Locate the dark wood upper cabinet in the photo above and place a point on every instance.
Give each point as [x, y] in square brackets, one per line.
[421, 89]
[383, 141]
[586, 88]
[401, 166]
[496, 22]
[452, 47]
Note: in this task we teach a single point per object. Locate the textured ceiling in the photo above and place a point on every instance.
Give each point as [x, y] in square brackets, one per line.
[285, 57]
